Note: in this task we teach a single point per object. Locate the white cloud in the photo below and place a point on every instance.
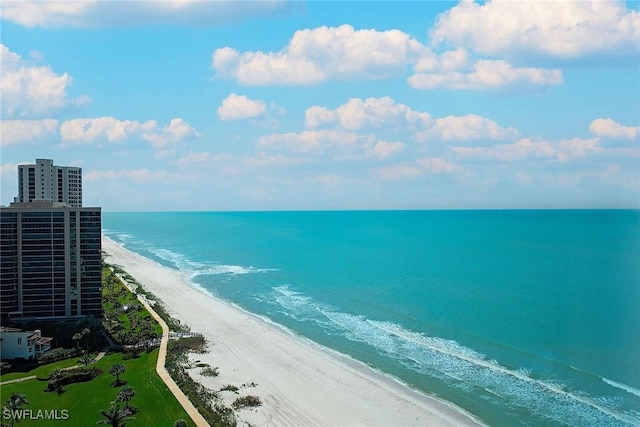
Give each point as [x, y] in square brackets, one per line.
[383, 149]
[316, 141]
[32, 91]
[192, 159]
[17, 131]
[561, 29]
[264, 160]
[358, 114]
[81, 131]
[78, 131]
[526, 148]
[398, 172]
[608, 128]
[436, 165]
[465, 128]
[91, 13]
[315, 55]
[240, 107]
[176, 131]
[422, 166]
[484, 74]
[568, 149]
[140, 176]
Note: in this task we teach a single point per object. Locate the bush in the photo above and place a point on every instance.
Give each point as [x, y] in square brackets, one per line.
[246, 402]
[210, 372]
[70, 376]
[58, 354]
[230, 387]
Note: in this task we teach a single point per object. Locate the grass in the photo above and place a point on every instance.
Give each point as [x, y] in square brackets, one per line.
[115, 296]
[83, 401]
[157, 406]
[40, 371]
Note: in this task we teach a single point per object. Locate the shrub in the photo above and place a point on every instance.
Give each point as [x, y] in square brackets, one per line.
[246, 402]
[230, 387]
[58, 354]
[210, 372]
[70, 376]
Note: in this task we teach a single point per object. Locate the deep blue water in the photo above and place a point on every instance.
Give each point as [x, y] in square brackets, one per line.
[519, 317]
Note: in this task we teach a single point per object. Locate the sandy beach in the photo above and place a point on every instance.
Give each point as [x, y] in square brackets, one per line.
[299, 383]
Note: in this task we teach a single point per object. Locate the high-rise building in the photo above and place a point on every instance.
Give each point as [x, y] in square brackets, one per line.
[46, 181]
[50, 260]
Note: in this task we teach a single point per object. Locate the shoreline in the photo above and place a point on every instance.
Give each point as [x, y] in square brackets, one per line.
[299, 382]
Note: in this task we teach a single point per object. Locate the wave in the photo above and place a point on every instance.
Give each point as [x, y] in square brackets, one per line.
[118, 236]
[621, 386]
[459, 366]
[193, 269]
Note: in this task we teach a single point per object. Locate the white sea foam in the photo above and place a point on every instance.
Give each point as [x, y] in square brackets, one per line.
[621, 386]
[193, 268]
[460, 366]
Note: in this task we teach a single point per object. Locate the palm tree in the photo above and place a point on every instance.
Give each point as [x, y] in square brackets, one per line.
[116, 370]
[115, 416]
[125, 395]
[86, 358]
[85, 332]
[77, 337]
[14, 402]
[54, 380]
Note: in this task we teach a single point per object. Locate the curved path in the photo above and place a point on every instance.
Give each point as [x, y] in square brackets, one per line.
[18, 380]
[197, 418]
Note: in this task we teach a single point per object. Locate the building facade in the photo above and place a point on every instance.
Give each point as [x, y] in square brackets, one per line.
[50, 260]
[45, 181]
[16, 343]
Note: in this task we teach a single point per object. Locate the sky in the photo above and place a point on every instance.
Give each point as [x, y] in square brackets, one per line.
[278, 105]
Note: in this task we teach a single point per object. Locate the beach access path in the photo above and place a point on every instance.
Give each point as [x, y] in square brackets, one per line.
[299, 383]
[197, 418]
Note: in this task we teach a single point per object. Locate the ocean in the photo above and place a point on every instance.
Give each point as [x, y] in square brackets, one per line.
[528, 318]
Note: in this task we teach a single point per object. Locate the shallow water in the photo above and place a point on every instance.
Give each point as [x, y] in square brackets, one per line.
[519, 317]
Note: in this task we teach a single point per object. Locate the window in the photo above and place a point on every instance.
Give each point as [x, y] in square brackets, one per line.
[19, 340]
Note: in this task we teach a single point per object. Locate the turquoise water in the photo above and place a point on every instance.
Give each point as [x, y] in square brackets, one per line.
[519, 317]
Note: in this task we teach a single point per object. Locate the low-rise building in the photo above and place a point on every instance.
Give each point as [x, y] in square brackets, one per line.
[16, 343]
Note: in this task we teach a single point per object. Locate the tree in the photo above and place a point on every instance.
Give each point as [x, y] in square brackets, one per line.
[77, 337]
[180, 423]
[14, 402]
[86, 358]
[117, 370]
[115, 416]
[125, 395]
[85, 332]
[80, 335]
[54, 380]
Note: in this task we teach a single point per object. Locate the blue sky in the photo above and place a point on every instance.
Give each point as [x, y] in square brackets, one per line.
[191, 105]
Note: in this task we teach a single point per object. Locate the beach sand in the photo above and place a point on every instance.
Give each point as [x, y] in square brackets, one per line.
[299, 383]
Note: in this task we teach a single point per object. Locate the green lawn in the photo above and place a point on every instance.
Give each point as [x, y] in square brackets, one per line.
[41, 371]
[83, 401]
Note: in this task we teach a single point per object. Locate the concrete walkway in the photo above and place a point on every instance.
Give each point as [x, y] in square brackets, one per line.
[18, 380]
[197, 418]
[30, 377]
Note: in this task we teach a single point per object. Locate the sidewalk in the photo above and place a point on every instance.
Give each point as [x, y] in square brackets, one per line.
[197, 418]
[19, 380]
